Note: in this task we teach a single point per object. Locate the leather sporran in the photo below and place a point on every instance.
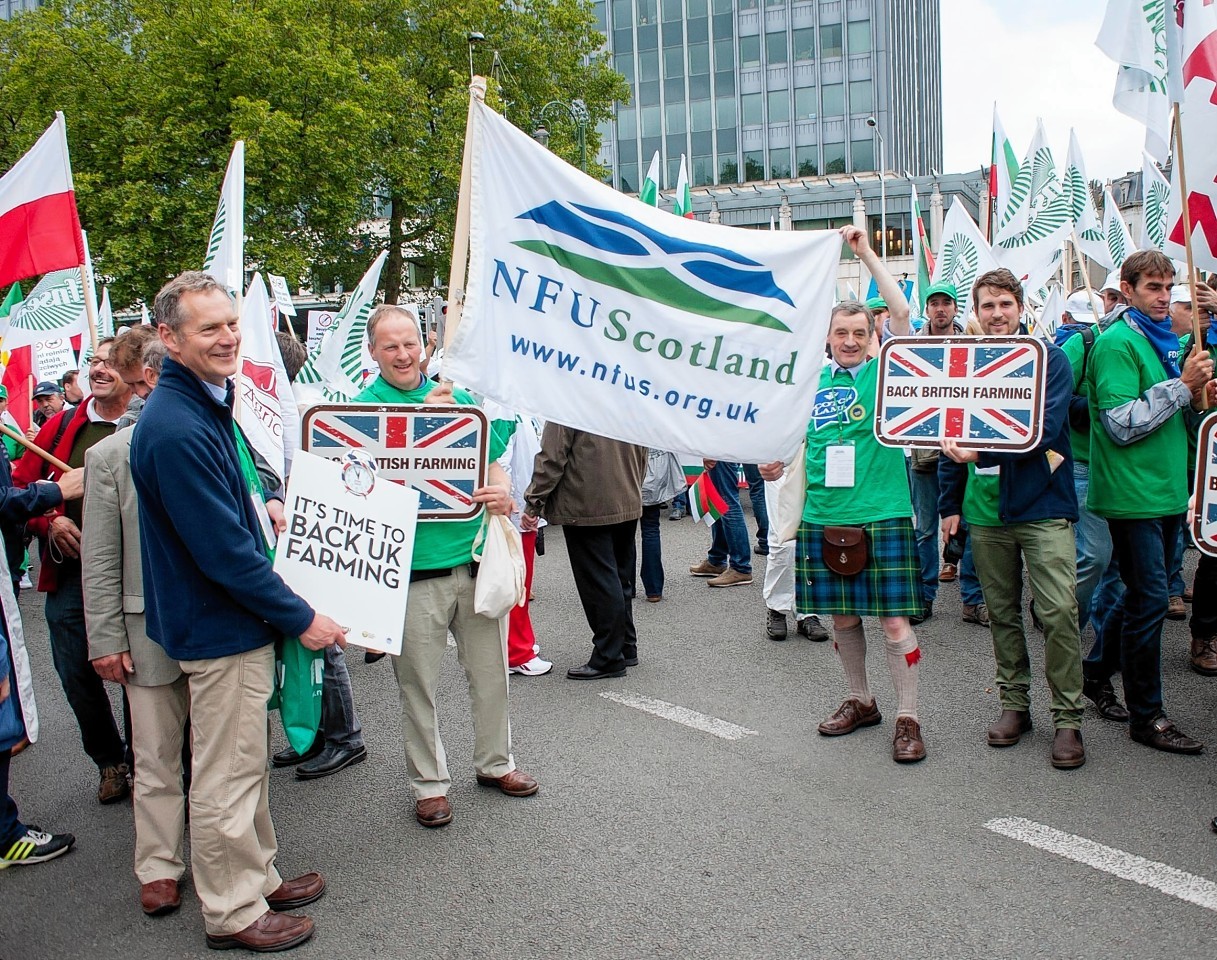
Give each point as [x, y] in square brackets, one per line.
[845, 550]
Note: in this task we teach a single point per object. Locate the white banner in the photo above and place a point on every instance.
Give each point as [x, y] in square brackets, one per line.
[591, 309]
[267, 412]
[348, 546]
[281, 294]
[53, 358]
[319, 324]
[54, 308]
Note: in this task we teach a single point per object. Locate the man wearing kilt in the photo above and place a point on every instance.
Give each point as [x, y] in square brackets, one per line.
[853, 481]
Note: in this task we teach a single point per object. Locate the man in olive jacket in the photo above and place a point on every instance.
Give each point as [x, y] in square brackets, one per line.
[592, 487]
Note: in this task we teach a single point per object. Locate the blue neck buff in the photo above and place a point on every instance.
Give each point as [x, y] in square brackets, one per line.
[1160, 336]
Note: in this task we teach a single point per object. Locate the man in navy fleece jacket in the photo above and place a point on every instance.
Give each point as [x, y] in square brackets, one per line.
[214, 603]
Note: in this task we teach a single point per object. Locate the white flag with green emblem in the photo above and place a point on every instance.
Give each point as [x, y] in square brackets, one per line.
[649, 194]
[267, 411]
[54, 309]
[1134, 36]
[1029, 244]
[225, 258]
[1156, 198]
[1086, 225]
[963, 256]
[1115, 231]
[683, 201]
[341, 363]
[592, 310]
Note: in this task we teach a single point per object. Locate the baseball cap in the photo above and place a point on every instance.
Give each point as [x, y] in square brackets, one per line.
[876, 303]
[1078, 306]
[942, 287]
[1112, 282]
[3, 392]
[1181, 293]
[45, 388]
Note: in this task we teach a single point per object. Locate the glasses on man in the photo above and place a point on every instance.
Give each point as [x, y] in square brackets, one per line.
[99, 362]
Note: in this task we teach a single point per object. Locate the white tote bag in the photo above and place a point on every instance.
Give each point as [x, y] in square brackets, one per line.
[791, 497]
[501, 575]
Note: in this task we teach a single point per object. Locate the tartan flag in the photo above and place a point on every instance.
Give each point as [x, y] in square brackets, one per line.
[649, 194]
[706, 504]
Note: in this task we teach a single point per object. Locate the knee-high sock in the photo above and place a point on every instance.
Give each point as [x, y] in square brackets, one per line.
[850, 645]
[903, 657]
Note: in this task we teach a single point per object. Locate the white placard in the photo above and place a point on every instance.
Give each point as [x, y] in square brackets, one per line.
[283, 296]
[54, 358]
[319, 324]
[349, 555]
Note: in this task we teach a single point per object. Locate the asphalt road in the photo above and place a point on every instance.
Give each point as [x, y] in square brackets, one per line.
[654, 839]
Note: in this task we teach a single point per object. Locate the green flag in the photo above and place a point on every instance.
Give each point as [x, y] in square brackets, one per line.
[14, 297]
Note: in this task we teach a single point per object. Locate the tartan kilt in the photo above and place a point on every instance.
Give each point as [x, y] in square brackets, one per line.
[888, 586]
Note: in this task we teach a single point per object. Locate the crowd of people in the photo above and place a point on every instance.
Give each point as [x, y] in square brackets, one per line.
[156, 548]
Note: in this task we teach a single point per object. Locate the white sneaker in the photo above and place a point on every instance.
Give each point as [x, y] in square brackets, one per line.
[536, 667]
[25, 583]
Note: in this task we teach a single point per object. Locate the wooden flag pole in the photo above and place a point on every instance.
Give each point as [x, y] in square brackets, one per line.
[29, 397]
[460, 237]
[1090, 295]
[34, 448]
[90, 293]
[1197, 333]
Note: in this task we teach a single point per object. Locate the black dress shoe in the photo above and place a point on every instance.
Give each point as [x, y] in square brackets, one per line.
[331, 760]
[630, 661]
[289, 757]
[927, 612]
[1103, 695]
[588, 672]
[372, 656]
[1162, 734]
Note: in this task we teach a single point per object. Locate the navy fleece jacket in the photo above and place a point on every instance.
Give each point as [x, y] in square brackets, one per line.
[1029, 489]
[209, 588]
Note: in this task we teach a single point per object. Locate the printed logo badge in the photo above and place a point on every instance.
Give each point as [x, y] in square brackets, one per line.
[833, 406]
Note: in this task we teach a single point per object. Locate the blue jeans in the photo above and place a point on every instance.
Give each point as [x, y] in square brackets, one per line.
[11, 829]
[756, 493]
[339, 721]
[652, 555]
[1093, 545]
[1131, 641]
[969, 583]
[924, 487]
[1174, 562]
[1106, 596]
[730, 534]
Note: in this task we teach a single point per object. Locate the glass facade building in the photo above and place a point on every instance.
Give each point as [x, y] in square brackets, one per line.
[754, 90]
[10, 7]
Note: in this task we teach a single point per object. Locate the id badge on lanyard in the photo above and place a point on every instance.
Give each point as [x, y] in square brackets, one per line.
[839, 464]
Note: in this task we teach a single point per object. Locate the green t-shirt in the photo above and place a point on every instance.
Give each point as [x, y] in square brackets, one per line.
[440, 543]
[844, 412]
[1074, 349]
[981, 499]
[1147, 478]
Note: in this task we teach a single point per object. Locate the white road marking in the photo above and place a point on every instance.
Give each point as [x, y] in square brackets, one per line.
[1127, 866]
[682, 715]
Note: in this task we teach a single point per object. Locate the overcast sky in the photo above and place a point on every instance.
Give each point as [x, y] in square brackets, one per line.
[1035, 58]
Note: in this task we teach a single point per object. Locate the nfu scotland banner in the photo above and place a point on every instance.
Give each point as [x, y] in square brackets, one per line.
[589, 308]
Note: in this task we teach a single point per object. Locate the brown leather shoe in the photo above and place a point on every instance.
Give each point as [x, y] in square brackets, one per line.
[159, 897]
[706, 569]
[270, 932]
[296, 893]
[1009, 729]
[1067, 750]
[514, 784]
[1204, 656]
[433, 812]
[849, 717]
[907, 745]
[113, 785]
[948, 573]
[1176, 609]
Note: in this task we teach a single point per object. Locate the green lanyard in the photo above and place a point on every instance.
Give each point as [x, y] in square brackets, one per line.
[250, 472]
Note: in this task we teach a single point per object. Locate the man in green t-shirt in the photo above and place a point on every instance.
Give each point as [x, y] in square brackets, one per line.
[1138, 483]
[442, 581]
[1022, 505]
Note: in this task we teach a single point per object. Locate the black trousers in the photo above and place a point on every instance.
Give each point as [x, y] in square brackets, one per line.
[1204, 599]
[603, 560]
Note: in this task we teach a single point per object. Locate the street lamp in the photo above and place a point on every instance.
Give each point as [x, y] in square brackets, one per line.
[874, 125]
[473, 38]
[577, 111]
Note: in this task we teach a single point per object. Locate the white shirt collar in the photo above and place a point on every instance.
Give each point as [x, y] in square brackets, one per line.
[852, 371]
[219, 393]
[94, 416]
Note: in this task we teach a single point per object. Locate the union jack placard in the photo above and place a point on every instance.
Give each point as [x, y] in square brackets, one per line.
[987, 393]
[440, 451]
[1204, 523]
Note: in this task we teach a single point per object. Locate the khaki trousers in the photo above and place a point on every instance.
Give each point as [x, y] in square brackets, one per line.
[158, 719]
[435, 607]
[232, 839]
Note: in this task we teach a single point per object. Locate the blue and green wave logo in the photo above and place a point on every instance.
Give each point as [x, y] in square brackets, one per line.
[623, 253]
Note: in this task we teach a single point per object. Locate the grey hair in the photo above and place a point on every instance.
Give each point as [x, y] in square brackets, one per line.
[850, 308]
[154, 355]
[381, 311]
[168, 303]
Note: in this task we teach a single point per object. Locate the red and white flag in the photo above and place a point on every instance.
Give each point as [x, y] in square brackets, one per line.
[1198, 119]
[39, 226]
[706, 504]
